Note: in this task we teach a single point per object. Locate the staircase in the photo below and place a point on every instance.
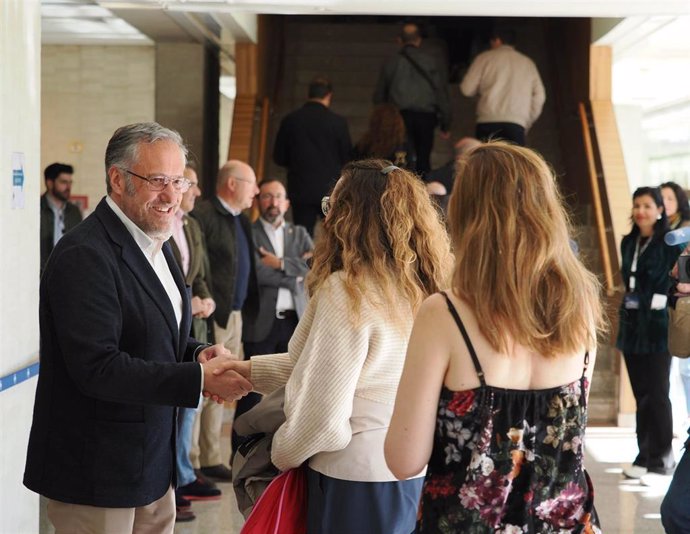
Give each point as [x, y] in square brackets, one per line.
[351, 50]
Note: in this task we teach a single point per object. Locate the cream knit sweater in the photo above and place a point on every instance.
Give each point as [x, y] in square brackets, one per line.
[334, 370]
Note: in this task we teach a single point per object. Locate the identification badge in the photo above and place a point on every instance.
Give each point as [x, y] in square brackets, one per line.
[631, 301]
[659, 301]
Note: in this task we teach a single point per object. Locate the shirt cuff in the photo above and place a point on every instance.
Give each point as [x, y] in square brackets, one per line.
[201, 367]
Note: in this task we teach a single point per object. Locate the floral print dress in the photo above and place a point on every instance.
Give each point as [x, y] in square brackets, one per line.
[508, 461]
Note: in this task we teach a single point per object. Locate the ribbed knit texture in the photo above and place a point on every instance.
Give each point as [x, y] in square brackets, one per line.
[329, 362]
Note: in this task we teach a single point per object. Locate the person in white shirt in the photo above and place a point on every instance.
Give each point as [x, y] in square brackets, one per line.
[282, 250]
[511, 93]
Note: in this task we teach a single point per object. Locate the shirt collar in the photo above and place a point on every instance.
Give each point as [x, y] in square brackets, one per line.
[148, 246]
[229, 208]
[268, 226]
[53, 205]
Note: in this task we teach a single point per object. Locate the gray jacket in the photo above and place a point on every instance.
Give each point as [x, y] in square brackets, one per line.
[400, 83]
[252, 470]
[297, 243]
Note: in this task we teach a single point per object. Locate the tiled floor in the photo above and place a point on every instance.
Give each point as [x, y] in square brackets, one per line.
[624, 506]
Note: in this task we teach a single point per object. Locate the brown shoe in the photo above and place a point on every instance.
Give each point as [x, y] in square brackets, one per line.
[183, 516]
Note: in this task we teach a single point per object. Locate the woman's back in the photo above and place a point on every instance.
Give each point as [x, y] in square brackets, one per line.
[507, 450]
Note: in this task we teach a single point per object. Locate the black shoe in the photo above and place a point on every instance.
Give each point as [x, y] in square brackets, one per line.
[217, 472]
[198, 491]
[203, 479]
[181, 503]
[183, 516]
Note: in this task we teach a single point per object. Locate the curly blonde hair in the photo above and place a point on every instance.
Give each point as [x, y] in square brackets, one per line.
[382, 228]
[514, 263]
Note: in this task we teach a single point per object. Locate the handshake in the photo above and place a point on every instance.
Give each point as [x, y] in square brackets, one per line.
[225, 377]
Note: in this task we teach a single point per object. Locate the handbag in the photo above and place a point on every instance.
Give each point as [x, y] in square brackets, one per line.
[679, 328]
[282, 507]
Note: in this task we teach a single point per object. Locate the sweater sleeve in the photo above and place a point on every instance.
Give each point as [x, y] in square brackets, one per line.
[320, 393]
[270, 371]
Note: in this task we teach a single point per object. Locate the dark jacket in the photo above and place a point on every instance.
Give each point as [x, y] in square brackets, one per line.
[218, 227]
[314, 144]
[400, 83]
[198, 269]
[72, 218]
[103, 431]
[645, 331]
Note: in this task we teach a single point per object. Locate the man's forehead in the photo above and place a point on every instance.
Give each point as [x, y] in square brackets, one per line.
[64, 176]
[272, 187]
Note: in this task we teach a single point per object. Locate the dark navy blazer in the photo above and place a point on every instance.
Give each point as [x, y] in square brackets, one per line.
[103, 430]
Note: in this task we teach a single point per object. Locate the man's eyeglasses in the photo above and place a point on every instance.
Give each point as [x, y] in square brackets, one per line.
[325, 205]
[158, 182]
[270, 196]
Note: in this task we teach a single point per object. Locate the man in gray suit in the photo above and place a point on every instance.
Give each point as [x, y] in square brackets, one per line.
[283, 250]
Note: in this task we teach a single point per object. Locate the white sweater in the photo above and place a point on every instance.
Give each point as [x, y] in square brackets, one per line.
[508, 84]
[341, 386]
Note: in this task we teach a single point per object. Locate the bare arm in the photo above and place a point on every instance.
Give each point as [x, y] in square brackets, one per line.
[411, 433]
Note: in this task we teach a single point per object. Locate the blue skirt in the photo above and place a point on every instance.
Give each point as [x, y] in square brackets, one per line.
[345, 507]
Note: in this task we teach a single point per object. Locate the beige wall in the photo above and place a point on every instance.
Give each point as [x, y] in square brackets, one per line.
[20, 34]
[87, 92]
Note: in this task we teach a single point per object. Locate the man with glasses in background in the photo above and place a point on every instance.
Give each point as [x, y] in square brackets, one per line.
[234, 287]
[58, 214]
[116, 356]
[282, 250]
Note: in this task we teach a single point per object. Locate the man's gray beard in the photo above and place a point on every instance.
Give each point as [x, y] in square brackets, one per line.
[160, 235]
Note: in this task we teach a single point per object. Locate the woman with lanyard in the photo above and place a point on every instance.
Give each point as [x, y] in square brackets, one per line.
[643, 328]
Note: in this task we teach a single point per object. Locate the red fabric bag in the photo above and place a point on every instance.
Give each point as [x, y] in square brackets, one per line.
[282, 507]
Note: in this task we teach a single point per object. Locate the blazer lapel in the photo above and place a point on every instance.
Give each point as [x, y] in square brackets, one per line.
[134, 258]
[186, 321]
[262, 237]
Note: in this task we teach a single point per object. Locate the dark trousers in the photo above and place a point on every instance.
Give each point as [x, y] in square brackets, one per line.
[506, 131]
[675, 512]
[420, 126]
[649, 377]
[275, 342]
[306, 215]
[337, 506]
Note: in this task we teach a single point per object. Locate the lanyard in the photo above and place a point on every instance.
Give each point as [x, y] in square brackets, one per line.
[633, 268]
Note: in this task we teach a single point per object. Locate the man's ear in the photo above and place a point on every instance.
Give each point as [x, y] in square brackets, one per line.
[117, 179]
[287, 204]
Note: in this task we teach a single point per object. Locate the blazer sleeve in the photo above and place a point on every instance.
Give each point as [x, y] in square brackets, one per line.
[89, 332]
[296, 265]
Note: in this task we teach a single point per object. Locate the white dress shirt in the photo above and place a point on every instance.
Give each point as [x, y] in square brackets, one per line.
[153, 252]
[277, 238]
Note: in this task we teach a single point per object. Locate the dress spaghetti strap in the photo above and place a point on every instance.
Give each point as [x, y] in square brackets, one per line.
[466, 337]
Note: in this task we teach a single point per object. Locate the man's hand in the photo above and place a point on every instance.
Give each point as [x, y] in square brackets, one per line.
[269, 260]
[222, 382]
[215, 351]
[197, 307]
[209, 306]
[203, 308]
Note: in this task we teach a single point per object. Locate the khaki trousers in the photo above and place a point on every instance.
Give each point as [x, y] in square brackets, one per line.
[206, 451]
[155, 518]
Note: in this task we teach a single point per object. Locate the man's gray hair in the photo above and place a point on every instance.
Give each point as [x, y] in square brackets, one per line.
[123, 147]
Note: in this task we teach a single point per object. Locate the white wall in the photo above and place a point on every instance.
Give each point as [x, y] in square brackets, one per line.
[87, 93]
[20, 126]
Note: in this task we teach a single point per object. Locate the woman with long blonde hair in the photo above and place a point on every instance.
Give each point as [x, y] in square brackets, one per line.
[382, 252]
[493, 394]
